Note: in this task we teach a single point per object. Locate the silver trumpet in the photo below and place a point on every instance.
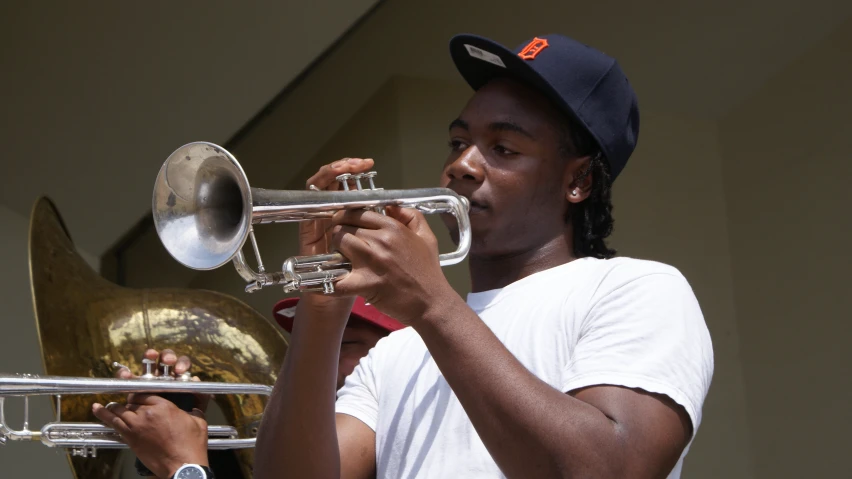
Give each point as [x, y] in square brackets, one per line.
[204, 211]
[84, 439]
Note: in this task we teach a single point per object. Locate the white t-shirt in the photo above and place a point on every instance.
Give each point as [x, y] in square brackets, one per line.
[621, 321]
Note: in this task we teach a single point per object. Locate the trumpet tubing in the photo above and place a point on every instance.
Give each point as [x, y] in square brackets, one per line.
[85, 439]
[204, 211]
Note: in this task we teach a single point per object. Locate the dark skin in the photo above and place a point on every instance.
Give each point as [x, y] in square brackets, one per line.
[506, 159]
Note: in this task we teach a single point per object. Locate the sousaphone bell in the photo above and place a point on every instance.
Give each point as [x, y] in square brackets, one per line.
[86, 323]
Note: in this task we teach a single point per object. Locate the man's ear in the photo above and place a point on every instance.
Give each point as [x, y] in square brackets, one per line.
[578, 180]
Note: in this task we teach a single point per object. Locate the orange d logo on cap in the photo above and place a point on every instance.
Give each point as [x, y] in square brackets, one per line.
[533, 48]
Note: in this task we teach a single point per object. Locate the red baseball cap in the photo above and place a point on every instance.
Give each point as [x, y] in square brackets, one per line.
[285, 312]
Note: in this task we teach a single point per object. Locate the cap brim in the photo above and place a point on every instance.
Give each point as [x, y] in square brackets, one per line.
[478, 71]
[359, 311]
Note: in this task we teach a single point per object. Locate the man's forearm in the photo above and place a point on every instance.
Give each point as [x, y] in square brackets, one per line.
[528, 427]
[298, 436]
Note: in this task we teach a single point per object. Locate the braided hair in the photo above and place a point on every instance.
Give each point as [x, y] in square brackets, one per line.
[591, 219]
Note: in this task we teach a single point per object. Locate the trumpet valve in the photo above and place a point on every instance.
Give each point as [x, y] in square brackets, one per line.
[369, 176]
[344, 180]
[166, 374]
[148, 365]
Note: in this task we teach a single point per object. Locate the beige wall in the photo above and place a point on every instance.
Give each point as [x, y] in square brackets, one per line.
[786, 158]
[670, 207]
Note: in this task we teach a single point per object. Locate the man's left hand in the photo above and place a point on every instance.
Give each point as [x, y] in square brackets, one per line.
[394, 260]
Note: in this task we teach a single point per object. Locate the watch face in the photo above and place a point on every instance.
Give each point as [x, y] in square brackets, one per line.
[190, 472]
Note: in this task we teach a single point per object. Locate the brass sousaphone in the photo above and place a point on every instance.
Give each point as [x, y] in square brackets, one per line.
[85, 323]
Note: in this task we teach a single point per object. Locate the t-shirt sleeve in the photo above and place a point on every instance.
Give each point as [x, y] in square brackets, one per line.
[645, 331]
[359, 395]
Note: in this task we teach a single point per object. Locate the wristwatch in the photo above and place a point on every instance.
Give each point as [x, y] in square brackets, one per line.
[193, 471]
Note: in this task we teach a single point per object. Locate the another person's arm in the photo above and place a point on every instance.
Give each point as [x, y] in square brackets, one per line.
[300, 435]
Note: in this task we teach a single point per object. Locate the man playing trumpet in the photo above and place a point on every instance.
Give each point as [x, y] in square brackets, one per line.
[563, 361]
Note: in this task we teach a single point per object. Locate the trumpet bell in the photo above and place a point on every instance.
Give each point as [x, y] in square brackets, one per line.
[204, 209]
[202, 206]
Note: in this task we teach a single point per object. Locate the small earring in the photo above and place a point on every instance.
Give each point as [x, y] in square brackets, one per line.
[574, 193]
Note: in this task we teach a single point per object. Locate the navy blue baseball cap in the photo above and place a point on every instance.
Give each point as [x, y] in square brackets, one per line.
[583, 82]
